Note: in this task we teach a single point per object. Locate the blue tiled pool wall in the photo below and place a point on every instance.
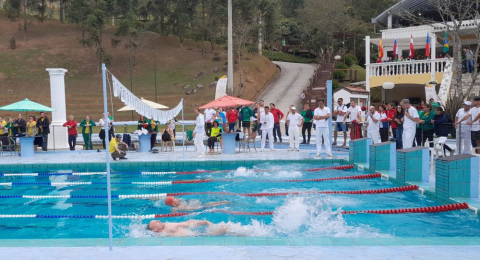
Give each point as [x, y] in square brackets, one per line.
[359, 150]
[382, 156]
[457, 178]
[160, 166]
[412, 165]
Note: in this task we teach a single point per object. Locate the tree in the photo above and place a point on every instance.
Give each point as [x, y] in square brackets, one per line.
[18, 10]
[182, 18]
[77, 12]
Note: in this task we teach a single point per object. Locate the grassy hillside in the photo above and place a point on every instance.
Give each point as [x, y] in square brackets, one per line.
[55, 45]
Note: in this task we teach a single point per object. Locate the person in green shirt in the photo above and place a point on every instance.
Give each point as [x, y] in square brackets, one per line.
[11, 130]
[86, 125]
[143, 123]
[247, 113]
[426, 124]
[307, 115]
[434, 104]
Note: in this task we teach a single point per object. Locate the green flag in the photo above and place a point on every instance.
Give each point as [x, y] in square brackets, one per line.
[446, 48]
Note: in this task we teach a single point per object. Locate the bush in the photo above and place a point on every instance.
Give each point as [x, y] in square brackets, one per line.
[335, 85]
[350, 60]
[340, 74]
[252, 49]
[281, 56]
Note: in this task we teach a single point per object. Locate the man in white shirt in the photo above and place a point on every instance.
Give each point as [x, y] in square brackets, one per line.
[464, 130]
[267, 121]
[209, 113]
[355, 115]
[199, 133]
[475, 123]
[340, 112]
[321, 116]
[373, 128]
[294, 123]
[410, 121]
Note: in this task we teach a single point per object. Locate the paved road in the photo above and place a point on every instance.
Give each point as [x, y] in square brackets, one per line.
[288, 86]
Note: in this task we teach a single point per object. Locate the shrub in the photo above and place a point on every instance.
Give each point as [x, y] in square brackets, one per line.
[335, 85]
[340, 74]
[350, 60]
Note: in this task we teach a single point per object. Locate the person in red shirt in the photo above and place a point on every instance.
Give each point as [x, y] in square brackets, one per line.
[232, 117]
[277, 116]
[71, 124]
[391, 114]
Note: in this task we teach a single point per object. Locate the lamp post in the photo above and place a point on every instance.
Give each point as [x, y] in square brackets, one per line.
[230, 50]
[387, 86]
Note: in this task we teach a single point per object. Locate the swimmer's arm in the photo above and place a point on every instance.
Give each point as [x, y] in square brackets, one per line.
[216, 203]
[195, 223]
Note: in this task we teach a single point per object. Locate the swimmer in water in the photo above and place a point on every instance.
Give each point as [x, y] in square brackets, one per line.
[182, 205]
[181, 229]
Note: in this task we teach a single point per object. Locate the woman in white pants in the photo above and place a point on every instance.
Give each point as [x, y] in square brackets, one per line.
[321, 116]
[294, 123]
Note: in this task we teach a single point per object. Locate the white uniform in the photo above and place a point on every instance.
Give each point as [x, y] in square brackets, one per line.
[409, 128]
[464, 132]
[267, 122]
[294, 130]
[321, 130]
[199, 134]
[373, 128]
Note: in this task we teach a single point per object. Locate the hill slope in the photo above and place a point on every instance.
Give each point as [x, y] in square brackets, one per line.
[54, 45]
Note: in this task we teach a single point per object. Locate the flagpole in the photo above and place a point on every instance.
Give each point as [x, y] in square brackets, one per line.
[107, 155]
[183, 130]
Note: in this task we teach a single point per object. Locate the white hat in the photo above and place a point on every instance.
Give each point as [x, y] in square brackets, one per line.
[294, 108]
[467, 103]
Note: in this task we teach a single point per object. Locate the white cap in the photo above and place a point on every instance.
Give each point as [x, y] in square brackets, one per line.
[294, 108]
[467, 103]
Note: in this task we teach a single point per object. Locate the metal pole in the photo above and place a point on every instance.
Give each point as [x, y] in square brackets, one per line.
[329, 105]
[230, 49]
[155, 70]
[131, 73]
[107, 156]
[183, 130]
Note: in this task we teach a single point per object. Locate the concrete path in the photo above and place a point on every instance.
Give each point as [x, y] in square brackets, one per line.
[288, 86]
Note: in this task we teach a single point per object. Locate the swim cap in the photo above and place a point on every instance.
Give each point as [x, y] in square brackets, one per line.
[169, 201]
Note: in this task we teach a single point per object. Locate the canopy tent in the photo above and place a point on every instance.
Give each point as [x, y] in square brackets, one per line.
[227, 101]
[27, 105]
[148, 102]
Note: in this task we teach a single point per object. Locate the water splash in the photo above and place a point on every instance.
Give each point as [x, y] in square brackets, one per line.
[273, 173]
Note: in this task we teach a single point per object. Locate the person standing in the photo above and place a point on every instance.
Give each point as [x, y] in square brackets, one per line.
[391, 113]
[86, 125]
[294, 122]
[321, 116]
[232, 117]
[102, 134]
[426, 121]
[410, 121]
[469, 58]
[172, 123]
[246, 113]
[277, 116]
[340, 125]
[419, 129]
[20, 126]
[475, 124]
[71, 124]
[383, 123]
[355, 115]
[267, 122]
[373, 125]
[43, 124]
[399, 130]
[307, 115]
[153, 130]
[3, 127]
[199, 133]
[442, 127]
[142, 123]
[464, 135]
[288, 113]
[209, 114]
[10, 128]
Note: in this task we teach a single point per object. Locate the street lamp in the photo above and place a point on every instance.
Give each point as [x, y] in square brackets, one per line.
[388, 86]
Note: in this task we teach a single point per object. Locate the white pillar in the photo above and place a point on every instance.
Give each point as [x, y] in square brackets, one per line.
[230, 49]
[58, 137]
[367, 63]
[389, 21]
[433, 54]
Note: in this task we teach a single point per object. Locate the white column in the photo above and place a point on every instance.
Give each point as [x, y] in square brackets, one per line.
[433, 54]
[389, 21]
[367, 63]
[58, 137]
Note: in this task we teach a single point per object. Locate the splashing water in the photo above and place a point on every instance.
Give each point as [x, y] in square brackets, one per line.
[274, 173]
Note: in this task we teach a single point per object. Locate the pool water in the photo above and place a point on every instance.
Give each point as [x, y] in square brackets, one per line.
[305, 215]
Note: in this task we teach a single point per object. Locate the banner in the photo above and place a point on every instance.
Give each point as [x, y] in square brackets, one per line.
[129, 99]
[431, 93]
[221, 87]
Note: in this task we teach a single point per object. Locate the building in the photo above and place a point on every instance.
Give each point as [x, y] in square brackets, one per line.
[352, 93]
[410, 77]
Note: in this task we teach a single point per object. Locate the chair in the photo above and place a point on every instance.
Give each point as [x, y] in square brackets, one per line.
[8, 144]
[246, 142]
[438, 147]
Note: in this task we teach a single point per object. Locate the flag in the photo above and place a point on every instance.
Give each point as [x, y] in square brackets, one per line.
[395, 48]
[380, 49]
[427, 47]
[412, 50]
[446, 48]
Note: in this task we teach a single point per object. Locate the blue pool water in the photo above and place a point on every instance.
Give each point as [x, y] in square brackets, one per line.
[310, 215]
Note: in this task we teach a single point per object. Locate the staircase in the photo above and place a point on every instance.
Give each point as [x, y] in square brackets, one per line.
[317, 88]
[446, 87]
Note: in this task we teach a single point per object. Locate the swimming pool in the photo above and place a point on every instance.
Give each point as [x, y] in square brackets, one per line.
[248, 188]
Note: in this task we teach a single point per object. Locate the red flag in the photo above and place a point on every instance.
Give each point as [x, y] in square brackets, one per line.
[412, 50]
[427, 47]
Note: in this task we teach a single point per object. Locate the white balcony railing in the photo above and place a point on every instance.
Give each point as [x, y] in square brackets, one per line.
[406, 67]
[415, 31]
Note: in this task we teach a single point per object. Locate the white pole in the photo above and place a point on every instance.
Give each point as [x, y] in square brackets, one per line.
[184, 133]
[109, 189]
[367, 63]
[230, 49]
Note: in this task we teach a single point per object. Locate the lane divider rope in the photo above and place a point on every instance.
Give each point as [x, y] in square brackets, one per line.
[434, 209]
[164, 183]
[344, 167]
